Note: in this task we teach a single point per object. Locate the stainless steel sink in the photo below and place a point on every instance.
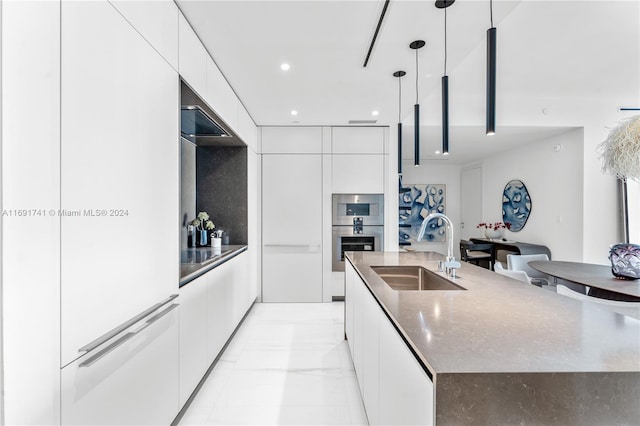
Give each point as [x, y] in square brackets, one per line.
[413, 278]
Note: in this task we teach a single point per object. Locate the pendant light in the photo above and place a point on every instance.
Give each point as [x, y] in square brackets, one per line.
[491, 75]
[444, 4]
[415, 45]
[399, 75]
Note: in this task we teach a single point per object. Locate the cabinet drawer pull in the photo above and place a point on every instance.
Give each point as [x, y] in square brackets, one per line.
[119, 329]
[100, 354]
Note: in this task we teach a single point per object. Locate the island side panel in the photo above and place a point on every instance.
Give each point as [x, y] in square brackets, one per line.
[589, 398]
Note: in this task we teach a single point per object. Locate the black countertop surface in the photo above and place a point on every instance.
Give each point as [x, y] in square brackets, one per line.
[197, 261]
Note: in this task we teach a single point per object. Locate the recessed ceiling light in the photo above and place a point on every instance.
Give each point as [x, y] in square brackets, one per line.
[284, 66]
[294, 112]
[375, 113]
[427, 75]
[437, 152]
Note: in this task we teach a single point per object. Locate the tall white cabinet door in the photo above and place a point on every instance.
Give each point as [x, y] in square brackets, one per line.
[292, 228]
[119, 180]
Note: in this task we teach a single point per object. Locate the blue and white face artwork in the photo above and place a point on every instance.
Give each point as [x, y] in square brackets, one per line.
[516, 205]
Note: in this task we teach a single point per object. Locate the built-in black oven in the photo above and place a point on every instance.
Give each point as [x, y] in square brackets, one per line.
[358, 225]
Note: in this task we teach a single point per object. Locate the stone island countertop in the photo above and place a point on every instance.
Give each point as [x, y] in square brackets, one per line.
[515, 342]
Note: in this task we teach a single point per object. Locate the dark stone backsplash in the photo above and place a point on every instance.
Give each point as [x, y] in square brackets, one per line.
[221, 189]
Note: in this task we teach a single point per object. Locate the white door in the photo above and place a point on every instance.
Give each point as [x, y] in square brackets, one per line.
[292, 228]
[471, 202]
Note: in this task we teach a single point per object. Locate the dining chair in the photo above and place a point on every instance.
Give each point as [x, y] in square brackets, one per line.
[477, 252]
[520, 262]
[518, 275]
[631, 309]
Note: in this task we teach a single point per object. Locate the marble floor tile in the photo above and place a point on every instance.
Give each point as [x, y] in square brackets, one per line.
[288, 364]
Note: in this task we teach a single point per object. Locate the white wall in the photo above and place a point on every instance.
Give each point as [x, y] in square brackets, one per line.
[555, 183]
[437, 173]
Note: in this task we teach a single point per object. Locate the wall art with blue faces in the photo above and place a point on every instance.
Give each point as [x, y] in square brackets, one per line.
[516, 205]
[416, 202]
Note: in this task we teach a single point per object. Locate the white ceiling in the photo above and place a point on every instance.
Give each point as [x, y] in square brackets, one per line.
[556, 49]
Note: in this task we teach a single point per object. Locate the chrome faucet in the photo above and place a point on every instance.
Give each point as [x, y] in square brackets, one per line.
[450, 265]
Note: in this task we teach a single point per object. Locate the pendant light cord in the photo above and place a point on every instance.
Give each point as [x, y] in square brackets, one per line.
[399, 98]
[445, 41]
[491, 11]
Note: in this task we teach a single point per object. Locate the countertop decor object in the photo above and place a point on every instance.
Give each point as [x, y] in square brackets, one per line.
[620, 152]
[494, 230]
[203, 226]
[625, 261]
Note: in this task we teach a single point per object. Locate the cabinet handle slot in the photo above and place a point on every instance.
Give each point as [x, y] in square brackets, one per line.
[101, 354]
[122, 327]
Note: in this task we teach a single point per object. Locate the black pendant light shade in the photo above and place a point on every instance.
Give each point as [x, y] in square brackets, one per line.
[492, 36]
[416, 135]
[491, 81]
[445, 114]
[415, 45]
[444, 4]
[399, 75]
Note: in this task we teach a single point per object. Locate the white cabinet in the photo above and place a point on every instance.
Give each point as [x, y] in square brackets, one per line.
[247, 128]
[194, 357]
[394, 387]
[357, 140]
[131, 380]
[30, 37]
[292, 140]
[292, 199]
[357, 174]
[350, 283]
[371, 352]
[406, 392]
[212, 305]
[157, 21]
[192, 58]
[358, 334]
[242, 297]
[220, 308]
[119, 174]
[220, 97]
[292, 228]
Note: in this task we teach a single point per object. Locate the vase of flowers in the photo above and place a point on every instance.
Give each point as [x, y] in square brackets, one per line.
[494, 230]
[203, 226]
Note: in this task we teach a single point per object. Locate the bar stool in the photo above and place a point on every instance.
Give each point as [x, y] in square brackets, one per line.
[477, 252]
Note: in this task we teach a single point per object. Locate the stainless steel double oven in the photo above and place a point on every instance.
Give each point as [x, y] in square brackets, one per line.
[358, 225]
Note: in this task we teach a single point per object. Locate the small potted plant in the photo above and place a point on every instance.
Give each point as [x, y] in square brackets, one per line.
[203, 225]
[494, 230]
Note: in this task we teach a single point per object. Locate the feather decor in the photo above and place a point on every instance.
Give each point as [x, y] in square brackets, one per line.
[620, 152]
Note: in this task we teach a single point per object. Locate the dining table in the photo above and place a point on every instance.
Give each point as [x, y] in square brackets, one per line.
[599, 278]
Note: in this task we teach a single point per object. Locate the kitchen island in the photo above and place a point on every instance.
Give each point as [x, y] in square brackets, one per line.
[496, 352]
